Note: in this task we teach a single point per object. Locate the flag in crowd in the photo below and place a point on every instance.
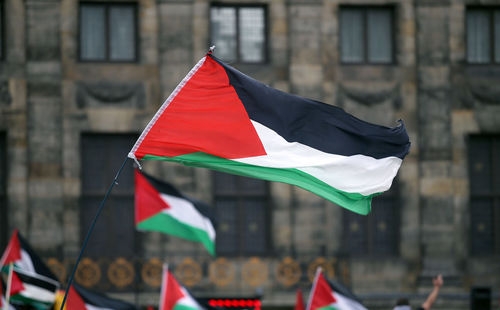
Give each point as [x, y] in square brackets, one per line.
[299, 300]
[221, 119]
[32, 282]
[329, 296]
[161, 207]
[82, 299]
[3, 301]
[174, 295]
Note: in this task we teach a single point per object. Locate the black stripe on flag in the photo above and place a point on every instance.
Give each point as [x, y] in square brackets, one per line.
[38, 264]
[32, 279]
[102, 301]
[321, 126]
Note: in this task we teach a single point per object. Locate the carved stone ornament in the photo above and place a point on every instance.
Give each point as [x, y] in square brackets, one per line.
[326, 266]
[121, 272]
[485, 91]
[88, 273]
[221, 272]
[151, 272]
[254, 272]
[107, 93]
[57, 268]
[189, 272]
[370, 97]
[288, 272]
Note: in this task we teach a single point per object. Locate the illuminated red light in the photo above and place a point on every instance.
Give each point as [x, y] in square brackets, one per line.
[220, 303]
[212, 302]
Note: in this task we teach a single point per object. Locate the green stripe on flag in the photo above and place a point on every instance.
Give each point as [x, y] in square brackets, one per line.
[167, 224]
[183, 307]
[39, 305]
[353, 201]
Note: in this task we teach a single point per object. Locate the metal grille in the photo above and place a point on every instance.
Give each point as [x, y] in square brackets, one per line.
[242, 207]
[376, 234]
[239, 32]
[484, 180]
[114, 234]
[3, 192]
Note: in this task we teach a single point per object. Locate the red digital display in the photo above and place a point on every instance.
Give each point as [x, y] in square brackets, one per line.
[235, 303]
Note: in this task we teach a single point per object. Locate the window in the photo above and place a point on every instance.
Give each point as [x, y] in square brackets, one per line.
[239, 33]
[107, 32]
[114, 233]
[484, 180]
[483, 35]
[376, 234]
[366, 35]
[2, 39]
[3, 192]
[242, 209]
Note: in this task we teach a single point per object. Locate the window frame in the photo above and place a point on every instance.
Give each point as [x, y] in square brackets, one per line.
[237, 7]
[239, 196]
[490, 10]
[493, 194]
[365, 9]
[107, 6]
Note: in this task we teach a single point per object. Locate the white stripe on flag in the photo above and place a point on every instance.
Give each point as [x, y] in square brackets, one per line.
[184, 211]
[38, 293]
[353, 174]
[92, 307]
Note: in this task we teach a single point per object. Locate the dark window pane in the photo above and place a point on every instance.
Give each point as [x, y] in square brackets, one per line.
[351, 35]
[255, 233]
[1, 29]
[355, 241]
[114, 233]
[223, 25]
[478, 36]
[379, 36]
[497, 35]
[252, 37]
[479, 165]
[93, 32]
[227, 223]
[481, 226]
[122, 32]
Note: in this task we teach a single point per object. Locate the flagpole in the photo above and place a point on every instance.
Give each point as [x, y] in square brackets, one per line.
[9, 284]
[84, 245]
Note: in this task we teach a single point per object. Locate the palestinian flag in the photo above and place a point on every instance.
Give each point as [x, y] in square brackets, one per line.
[32, 282]
[299, 300]
[161, 207]
[219, 118]
[3, 301]
[325, 296]
[82, 299]
[175, 296]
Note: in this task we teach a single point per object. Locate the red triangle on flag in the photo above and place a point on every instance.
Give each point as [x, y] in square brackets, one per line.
[171, 291]
[299, 301]
[321, 293]
[147, 199]
[16, 285]
[13, 251]
[74, 300]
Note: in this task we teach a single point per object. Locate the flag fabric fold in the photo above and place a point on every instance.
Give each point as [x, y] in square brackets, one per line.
[32, 281]
[326, 296]
[161, 207]
[82, 299]
[221, 119]
[175, 296]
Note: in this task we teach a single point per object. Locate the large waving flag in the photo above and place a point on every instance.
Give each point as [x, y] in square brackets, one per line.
[32, 282]
[219, 118]
[81, 299]
[324, 296]
[161, 207]
[175, 296]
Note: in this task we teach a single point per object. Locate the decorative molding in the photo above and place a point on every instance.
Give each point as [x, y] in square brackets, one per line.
[370, 97]
[189, 272]
[221, 272]
[254, 272]
[57, 268]
[484, 91]
[151, 272]
[121, 273]
[88, 273]
[327, 267]
[107, 93]
[288, 272]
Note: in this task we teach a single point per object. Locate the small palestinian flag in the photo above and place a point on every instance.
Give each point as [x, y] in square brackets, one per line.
[161, 207]
[175, 296]
[32, 282]
[221, 119]
[299, 300]
[82, 299]
[324, 296]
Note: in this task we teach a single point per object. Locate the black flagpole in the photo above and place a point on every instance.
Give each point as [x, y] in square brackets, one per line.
[84, 245]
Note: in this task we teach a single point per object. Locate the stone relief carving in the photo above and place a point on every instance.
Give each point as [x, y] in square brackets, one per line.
[107, 93]
[370, 97]
[484, 91]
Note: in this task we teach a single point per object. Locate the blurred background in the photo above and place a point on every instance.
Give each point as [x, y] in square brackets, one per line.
[79, 81]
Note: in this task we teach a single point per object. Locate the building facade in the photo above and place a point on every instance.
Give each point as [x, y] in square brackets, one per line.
[79, 80]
